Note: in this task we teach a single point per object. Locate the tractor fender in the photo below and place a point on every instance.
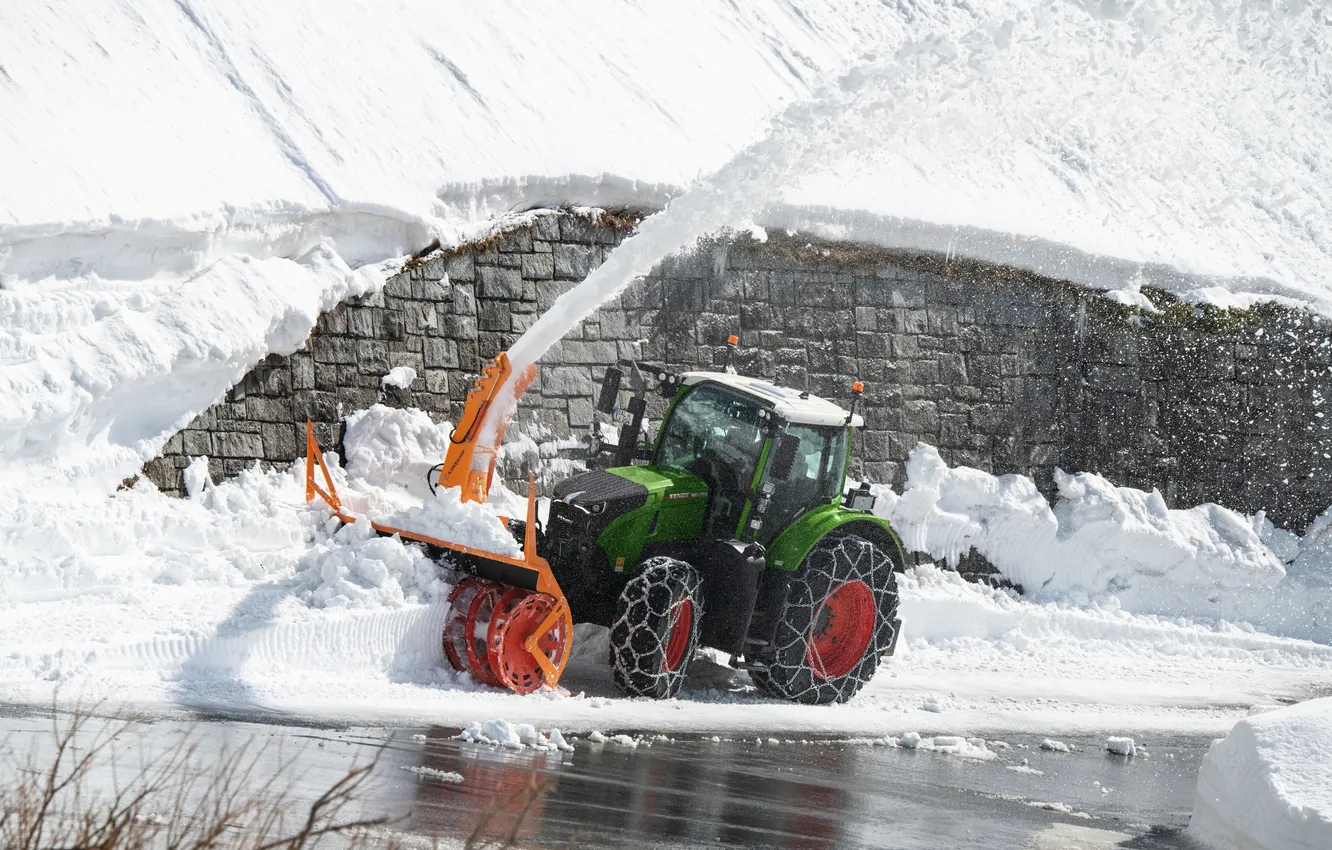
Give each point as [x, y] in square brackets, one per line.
[792, 545]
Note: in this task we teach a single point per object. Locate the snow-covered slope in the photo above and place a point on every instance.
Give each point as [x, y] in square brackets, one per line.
[1268, 784]
[152, 154]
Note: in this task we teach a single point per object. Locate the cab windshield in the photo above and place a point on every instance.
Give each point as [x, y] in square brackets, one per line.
[714, 433]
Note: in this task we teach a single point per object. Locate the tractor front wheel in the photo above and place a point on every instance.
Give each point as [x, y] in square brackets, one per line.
[656, 628]
[840, 617]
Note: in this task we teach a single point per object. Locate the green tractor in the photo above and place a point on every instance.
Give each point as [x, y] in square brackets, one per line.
[731, 531]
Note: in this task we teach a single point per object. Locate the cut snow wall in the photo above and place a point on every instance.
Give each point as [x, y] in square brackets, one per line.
[1003, 370]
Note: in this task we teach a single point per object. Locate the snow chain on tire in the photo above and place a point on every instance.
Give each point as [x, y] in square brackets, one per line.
[663, 600]
[838, 561]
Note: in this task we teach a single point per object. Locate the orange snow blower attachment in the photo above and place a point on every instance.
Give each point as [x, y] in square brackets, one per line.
[508, 623]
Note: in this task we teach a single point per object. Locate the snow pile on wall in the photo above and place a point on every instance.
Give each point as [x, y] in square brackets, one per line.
[1100, 543]
[391, 448]
[1268, 784]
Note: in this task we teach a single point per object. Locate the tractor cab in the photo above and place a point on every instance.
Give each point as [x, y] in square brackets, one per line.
[767, 454]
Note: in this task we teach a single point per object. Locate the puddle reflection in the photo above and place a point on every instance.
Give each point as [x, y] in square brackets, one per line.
[689, 793]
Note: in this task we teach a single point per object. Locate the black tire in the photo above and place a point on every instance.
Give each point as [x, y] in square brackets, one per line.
[656, 628]
[838, 562]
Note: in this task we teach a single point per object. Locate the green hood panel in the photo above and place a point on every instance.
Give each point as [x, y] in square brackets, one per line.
[676, 504]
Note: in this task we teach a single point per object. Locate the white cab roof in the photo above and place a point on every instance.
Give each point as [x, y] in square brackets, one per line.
[788, 403]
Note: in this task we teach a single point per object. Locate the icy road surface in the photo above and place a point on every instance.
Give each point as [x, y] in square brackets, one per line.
[692, 791]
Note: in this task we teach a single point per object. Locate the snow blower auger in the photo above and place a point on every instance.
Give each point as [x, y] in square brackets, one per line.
[509, 623]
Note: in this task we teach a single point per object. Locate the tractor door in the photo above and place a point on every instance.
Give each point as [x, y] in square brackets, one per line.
[716, 433]
[815, 478]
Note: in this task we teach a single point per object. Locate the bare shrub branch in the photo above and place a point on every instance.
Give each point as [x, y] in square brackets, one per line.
[81, 795]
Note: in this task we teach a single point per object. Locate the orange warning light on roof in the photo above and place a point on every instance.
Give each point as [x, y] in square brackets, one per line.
[857, 387]
[733, 340]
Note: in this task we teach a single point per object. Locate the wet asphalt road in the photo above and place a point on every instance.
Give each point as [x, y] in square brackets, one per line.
[692, 792]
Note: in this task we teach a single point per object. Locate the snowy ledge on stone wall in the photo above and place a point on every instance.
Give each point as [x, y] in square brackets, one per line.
[1118, 547]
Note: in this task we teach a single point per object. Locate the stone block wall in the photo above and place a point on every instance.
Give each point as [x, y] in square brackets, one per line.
[1000, 369]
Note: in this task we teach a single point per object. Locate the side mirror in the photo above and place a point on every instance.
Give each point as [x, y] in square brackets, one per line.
[861, 499]
[610, 390]
[783, 456]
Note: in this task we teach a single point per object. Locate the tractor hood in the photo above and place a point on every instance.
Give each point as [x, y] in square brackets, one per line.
[625, 488]
[613, 514]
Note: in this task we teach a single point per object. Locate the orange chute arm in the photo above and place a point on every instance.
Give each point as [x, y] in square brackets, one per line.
[470, 461]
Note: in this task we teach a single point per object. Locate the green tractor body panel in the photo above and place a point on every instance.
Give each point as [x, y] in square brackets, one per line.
[674, 510]
[793, 544]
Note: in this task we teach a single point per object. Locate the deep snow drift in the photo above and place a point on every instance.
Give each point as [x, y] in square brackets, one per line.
[1268, 784]
[245, 598]
[259, 164]
[1115, 545]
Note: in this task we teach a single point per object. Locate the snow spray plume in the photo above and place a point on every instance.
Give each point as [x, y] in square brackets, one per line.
[921, 118]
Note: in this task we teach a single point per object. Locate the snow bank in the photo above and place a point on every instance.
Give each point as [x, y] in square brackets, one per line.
[1112, 545]
[97, 398]
[244, 597]
[356, 568]
[1268, 784]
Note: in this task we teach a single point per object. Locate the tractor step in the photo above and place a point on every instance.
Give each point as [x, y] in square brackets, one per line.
[755, 666]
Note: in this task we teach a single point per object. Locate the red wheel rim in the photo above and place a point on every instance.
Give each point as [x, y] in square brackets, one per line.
[508, 598]
[455, 623]
[682, 622]
[480, 620]
[842, 629]
[516, 666]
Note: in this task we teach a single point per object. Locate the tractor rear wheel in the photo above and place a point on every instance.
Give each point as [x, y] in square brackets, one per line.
[839, 618]
[656, 628]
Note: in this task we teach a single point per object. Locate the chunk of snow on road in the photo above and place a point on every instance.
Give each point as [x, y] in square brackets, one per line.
[556, 740]
[400, 377]
[513, 736]
[1025, 768]
[1120, 746]
[441, 775]
[1055, 746]
[624, 741]
[596, 737]
[950, 745]
[1268, 784]
[1061, 808]
[932, 704]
